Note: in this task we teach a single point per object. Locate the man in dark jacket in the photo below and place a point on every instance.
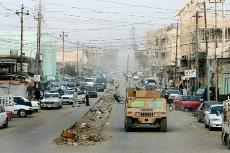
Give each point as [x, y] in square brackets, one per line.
[37, 94]
[87, 98]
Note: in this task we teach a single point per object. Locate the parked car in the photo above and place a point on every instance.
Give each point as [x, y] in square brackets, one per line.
[186, 102]
[35, 104]
[99, 87]
[71, 86]
[53, 87]
[173, 93]
[51, 100]
[3, 117]
[81, 96]
[212, 117]
[92, 92]
[136, 77]
[202, 93]
[22, 107]
[67, 98]
[200, 112]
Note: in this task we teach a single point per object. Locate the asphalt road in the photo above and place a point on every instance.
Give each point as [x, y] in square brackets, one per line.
[35, 135]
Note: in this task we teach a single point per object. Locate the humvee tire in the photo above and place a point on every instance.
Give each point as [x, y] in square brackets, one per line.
[163, 125]
[128, 124]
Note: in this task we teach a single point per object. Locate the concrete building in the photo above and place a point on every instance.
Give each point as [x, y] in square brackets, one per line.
[155, 44]
[193, 46]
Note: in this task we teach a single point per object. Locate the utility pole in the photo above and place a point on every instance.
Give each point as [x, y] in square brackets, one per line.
[22, 13]
[63, 35]
[196, 50]
[127, 78]
[39, 18]
[216, 59]
[83, 54]
[175, 71]
[77, 61]
[206, 49]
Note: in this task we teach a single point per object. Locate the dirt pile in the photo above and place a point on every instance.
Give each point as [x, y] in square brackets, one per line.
[87, 130]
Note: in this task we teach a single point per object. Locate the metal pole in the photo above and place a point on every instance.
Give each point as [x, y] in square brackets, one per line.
[22, 9]
[206, 49]
[77, 61]
[39, 40]
[175, 73]
[216, 60]
[63, 55]
[21, 48]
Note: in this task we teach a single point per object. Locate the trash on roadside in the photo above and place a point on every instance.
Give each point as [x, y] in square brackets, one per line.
[68, 134]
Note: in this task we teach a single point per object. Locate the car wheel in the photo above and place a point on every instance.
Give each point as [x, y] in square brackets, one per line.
[5, 125]
[209, 127]
[224, 138]
[205, 124]
[22, 113]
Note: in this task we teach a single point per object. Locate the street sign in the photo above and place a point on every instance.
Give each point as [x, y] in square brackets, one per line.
[190, 73]
[24, 67]
[37, 78]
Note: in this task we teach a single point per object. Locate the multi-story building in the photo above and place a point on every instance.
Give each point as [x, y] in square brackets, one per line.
[155, 47]
[195, 32]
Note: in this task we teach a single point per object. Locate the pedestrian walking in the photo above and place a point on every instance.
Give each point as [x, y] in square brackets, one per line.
[75, 100]
[37, 94]
[87, 98]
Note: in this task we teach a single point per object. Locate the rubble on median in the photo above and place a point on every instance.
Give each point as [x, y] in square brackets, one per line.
[87, 130]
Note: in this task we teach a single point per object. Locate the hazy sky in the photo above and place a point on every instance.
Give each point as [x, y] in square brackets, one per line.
[101, 23]
[107, 21]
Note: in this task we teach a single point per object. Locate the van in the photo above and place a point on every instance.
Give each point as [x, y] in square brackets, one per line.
[16, 105]
[90, 81]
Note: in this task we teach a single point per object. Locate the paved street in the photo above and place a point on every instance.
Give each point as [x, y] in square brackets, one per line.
[35, 135]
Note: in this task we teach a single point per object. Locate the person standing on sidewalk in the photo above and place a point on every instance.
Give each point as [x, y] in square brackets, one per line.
[87, 98]
[75, 100]
[37, 94]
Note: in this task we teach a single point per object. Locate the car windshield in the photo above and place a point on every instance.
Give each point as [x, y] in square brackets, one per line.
[217, 109]
[200, 91]
[51, 96]
[71, 85]
[189, 98]
[89, 80]
[91, 89]
[70, 92]
[173, 91]
[54, 85]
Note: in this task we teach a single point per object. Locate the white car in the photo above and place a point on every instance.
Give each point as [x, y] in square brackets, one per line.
[51, 100]
[3, 117]
[90, 81]
[81, 96]
[67, 98]
[35, 104]
[213, 116]
[136, 77]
